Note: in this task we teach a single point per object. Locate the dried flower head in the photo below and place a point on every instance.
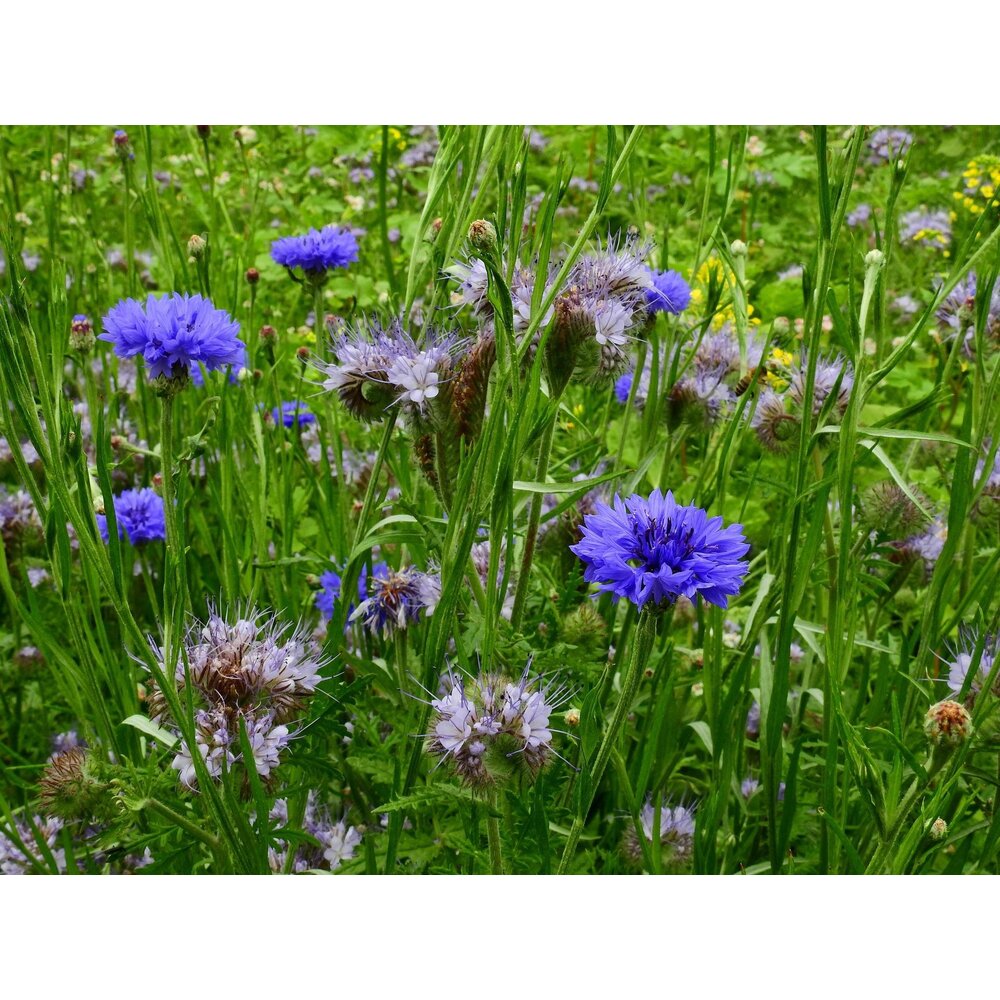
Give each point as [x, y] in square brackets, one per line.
[948, 724]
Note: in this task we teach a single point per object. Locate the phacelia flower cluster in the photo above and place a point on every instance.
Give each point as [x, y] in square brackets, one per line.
[491, 729]
[656, 550]
[965, 657]
[317, 251]
[378, 366]
[172, 333]
[335, 841]
[139, 514]
[887, 145]
[677, 828]
[930, 228]
[15, 861]
[256, 673]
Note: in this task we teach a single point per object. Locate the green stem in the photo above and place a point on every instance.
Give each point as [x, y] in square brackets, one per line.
[643, 644]
[184, 823]
[174, 549]
[534, 517]
[493, 836]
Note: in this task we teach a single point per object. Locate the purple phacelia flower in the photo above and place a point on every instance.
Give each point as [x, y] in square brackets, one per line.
[886, 145]
[396, 599]
[486, 726]
[920, 226]
[655, 550]
[859, 215]
[831, 375]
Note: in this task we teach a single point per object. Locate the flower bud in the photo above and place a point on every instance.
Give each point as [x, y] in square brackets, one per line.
[302, 352]
[121, 145]
[483, 236]
[947, 724]
[81, 334]
[267, 332]
[204, 130]
[874, 259]
[780, 326]
[252, 276]
[196, 246]
[572, 717]
[70, 787]
[245, 135]
[738, 248]
[938, 830]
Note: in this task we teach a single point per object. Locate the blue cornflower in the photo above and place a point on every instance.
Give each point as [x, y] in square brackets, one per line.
[173, 333]
[657, 550]
[316, 252]
[140, 513]
[669, 293]
[293, 413]
[330, 584]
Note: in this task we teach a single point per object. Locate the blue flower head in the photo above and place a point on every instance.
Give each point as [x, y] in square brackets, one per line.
[140, 513]
[318, 251]
[669, 293]
[293, 413]
[174, 332]
[330, 584]
[657, 550]
[623, 387]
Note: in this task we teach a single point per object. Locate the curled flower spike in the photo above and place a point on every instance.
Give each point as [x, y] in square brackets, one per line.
[255, 672]
[491, 729]
[677, 827]
[831, 376]
[655, 550]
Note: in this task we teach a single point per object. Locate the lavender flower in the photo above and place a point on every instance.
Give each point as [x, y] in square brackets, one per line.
[656, 550]
[748, 786]
[859, 215]
[831, 375]
[380, 366]
[396, 599]
[140, 514]
[491, 729]
[957, 311]
[921, 226]
[15, 861]
[317, 251]
[172, 333]
[964, 656]
[887, 145]
[18, 517]
[676, 832]
[256, 673]
[335, 842]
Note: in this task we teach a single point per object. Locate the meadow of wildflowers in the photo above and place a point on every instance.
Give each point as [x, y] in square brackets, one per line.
[501, 499]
